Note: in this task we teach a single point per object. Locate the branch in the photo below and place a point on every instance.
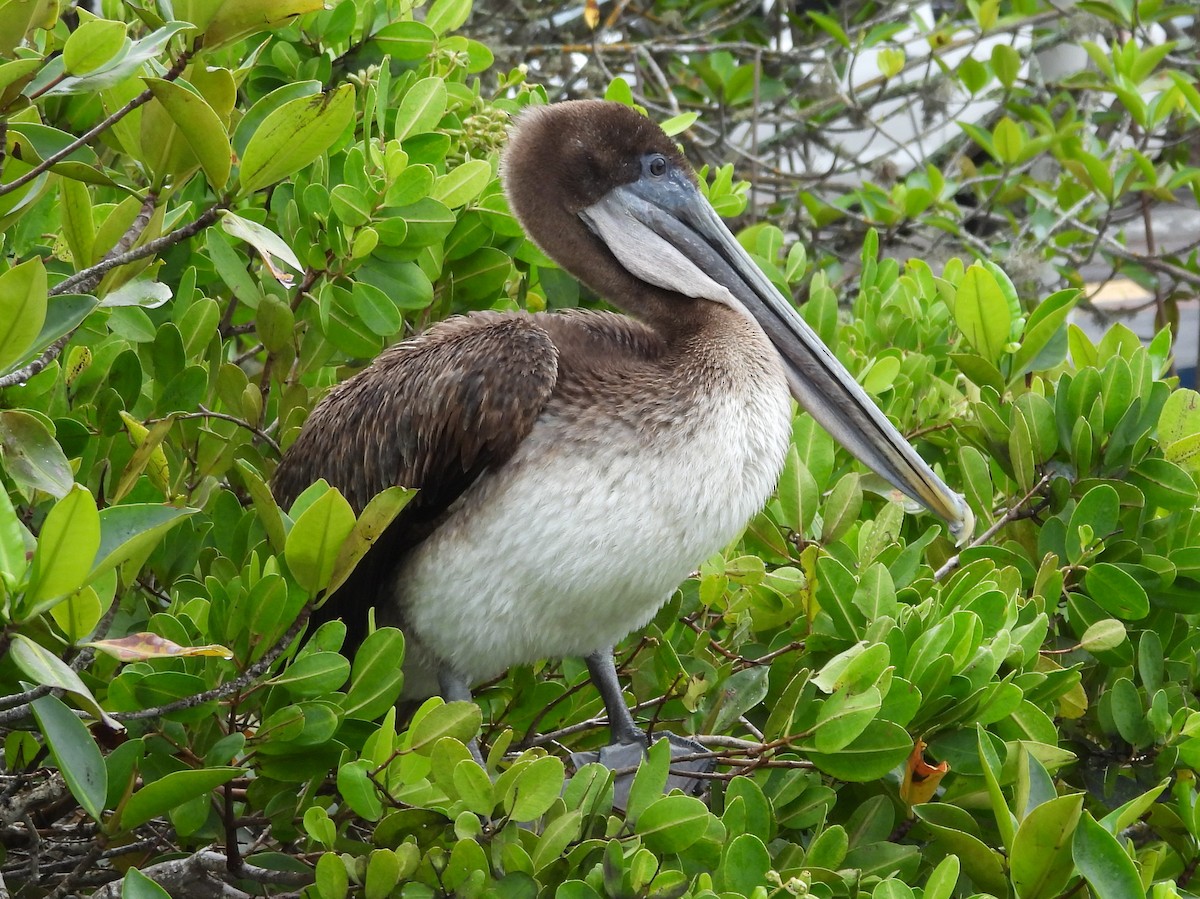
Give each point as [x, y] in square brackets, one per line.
[17, 805]
[99, 128]
[202, 874]
[208, 413]
[1013, 512]
[149, 248]
[84, 277]
[230, 687]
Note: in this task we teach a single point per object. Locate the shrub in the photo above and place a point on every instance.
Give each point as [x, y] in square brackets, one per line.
[211, 216]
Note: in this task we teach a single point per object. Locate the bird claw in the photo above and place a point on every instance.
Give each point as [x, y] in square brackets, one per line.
[685, 775]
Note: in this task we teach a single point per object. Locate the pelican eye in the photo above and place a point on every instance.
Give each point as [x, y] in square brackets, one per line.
[657, 165]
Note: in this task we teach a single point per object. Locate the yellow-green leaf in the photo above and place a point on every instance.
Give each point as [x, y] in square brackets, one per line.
[200, 126]
[91, 45]
[22, 309]
[294, 135]
[981, 313]
[66, 549]
[315, 540]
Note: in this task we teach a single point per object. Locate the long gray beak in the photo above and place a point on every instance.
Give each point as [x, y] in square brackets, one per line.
[663, 231]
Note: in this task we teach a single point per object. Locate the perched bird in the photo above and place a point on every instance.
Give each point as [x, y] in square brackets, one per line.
[575, 467]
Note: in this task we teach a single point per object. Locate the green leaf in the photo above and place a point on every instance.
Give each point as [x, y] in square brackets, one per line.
[132, 531]
[314, 674]
[941, 882]
[1128, 712]
[557, 836]
[22, 309]
[677, 124]
[358, 790]
[881, 747]
[1041, 861]
[671, 824]
[447, 15]
[315, 540]
[136, 885]
[31, 455]
[66, 549]
[474, 787]
[535, 789]
[91, 45]
[242, 17]
[383, 874]
[1103, 635]
[201, 127]
[979, 862]
[1044, 322]
[982, 314]
[739, 693]
[293, 135]
[1117, 592]
[158, 797]
[1104, 864]
[828, 849]
[1097, 510]
[1008, 140]
[421, 108]
[844, 716]
[405, 40]
[829, 25]
[890, 61]
[463, 183]
[75, 753]
[1006, 63]
[649, 780]
[127, 62]
[265, 105]
[459, 720]
[990, 762]
[379, 513]
[47, 669]
[15, 542]
[377, 677]
[744, 864]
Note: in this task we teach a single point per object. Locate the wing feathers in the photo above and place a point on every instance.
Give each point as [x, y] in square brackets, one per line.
[453, 400]
[433, 412]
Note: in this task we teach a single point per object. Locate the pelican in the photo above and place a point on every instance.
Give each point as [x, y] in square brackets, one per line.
[575, 467]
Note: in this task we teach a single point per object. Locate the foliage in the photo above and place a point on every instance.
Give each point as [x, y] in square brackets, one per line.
[1039, 134]
[213, 210]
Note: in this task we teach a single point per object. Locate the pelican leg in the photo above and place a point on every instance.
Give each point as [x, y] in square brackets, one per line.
[621, 726]
[454, 688]
[628, 743]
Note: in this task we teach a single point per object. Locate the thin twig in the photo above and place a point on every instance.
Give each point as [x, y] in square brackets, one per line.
[222, 416]
[99, 128]
[85, 276]
[1009, 515]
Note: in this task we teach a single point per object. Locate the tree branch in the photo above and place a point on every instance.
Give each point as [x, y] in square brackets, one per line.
[96, 130]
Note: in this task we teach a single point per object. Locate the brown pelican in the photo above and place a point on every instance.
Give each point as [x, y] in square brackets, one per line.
[575, 467]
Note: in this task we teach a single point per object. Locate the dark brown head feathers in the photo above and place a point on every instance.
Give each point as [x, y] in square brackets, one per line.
[573, 153]
[561, 159]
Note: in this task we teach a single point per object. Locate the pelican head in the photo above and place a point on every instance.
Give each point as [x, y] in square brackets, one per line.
[607, 194]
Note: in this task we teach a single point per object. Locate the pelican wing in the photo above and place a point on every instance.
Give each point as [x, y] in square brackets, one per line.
[433, 412]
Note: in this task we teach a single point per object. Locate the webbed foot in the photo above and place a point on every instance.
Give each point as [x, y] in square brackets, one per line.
[686, 773]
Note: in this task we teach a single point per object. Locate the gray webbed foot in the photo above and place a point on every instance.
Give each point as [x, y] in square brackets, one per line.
[686, 774]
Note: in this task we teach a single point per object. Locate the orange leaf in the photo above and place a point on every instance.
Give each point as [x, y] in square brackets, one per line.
[921, 779]
[591, 13]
